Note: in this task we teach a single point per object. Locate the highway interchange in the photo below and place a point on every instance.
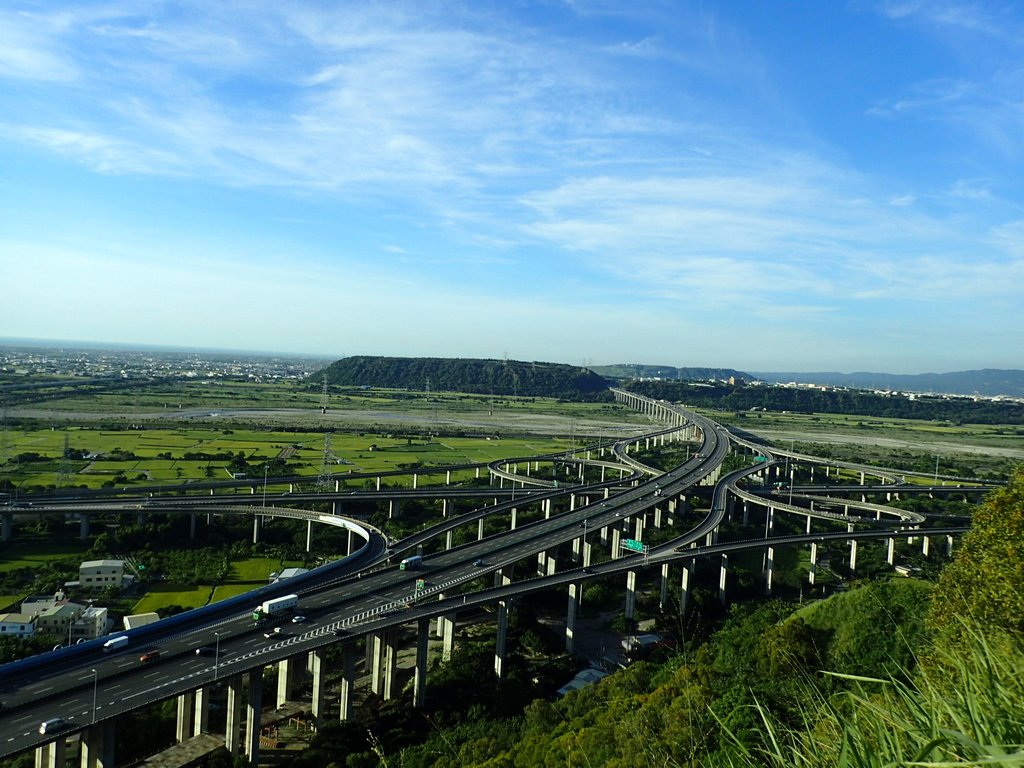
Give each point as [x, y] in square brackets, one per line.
[366, 593]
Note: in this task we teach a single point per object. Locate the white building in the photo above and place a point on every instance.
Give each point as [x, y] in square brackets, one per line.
[287, 573]
[58, 619]
[101, 574]
[92, 623]
[582, 680]
[17, 625]
[140, 619]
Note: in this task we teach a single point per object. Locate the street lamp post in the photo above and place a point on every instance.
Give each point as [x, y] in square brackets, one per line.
[216, 655]
[265, 468]
[95, 687]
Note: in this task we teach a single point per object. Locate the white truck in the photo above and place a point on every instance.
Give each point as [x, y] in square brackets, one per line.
[278, 607]
[115, 643]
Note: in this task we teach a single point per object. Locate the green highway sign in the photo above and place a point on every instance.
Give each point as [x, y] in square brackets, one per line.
[633, 544]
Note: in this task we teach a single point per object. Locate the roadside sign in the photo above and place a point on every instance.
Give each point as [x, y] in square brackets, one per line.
[633, 545]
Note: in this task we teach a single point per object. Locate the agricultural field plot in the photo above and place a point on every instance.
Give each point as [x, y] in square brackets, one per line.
[166, 594]
[35, 553]
[965, 450]
[176, 455]
[245, 575]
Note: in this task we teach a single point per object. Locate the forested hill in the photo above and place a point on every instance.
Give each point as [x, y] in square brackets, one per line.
[741, 398]
[488, 377]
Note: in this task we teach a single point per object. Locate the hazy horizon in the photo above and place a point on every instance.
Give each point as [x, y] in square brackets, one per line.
[807, 186]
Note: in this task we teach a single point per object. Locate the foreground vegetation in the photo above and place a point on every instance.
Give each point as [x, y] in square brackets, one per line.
[888, 673]
[894, 673]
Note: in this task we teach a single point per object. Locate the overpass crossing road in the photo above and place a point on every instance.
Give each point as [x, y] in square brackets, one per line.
[86, 687]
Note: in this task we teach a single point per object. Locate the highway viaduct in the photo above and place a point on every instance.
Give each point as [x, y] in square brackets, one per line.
[369, 600]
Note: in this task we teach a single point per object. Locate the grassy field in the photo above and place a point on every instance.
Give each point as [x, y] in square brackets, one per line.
[162, 455]
[245, 575]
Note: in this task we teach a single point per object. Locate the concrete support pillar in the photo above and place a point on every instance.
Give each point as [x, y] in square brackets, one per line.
[52, 755]
[722, 576]
[285, 675]
[83, 527]
[183, 725]
[309, 535]
[812, 570]
[256, 524]
[616, 535]
[390, 663]
[392, 509]
[684, 587]
[348, 681]
[233, 723]
[376, 655]
[853, 556]
[808, 531]
[6, 526]
[890, 551]
[924, 545]
[192, 525]
[769, 570]
[663, 588]
[630, 593]
[448, 638]
[419, 683]
[575, 588]
[201, 721]
[253, 716]
[514, 515]
[657, 517]
[97, 746]
[499, 644]
[480, 529]
[949, 546]
[415, 480]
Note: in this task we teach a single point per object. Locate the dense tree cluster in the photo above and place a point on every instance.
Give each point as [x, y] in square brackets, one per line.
[851, 402]
[488, 377]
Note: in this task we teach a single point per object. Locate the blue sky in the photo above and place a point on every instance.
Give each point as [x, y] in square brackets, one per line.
[769, 186]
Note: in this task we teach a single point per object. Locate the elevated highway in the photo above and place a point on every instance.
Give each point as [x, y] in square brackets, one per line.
[365, 596]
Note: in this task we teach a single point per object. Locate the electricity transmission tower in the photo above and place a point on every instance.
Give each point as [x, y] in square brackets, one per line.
[64, 467]
[325, 482]
[323, 396]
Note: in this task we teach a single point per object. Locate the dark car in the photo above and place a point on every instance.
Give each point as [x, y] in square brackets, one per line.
[206, 650]
[479, 563]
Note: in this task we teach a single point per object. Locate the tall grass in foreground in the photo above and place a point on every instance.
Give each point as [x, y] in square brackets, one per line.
[963, 707]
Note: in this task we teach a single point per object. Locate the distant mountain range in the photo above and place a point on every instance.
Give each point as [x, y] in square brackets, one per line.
[988, 381]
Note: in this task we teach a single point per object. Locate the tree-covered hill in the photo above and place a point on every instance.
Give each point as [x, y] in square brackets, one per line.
[487, 377]
[801, 400]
